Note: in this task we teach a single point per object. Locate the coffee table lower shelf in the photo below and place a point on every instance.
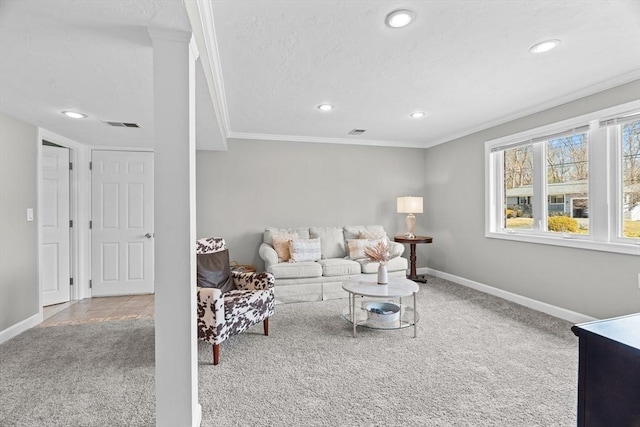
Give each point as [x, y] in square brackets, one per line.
[362, 318]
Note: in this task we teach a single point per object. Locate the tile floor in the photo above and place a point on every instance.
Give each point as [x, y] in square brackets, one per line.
[99, 310]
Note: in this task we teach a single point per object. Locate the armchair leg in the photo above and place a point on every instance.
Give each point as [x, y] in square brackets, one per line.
[266, 326]
[216, 354]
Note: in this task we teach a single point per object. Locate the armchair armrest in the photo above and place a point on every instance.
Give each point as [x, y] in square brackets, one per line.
[253, 281]
[268, 254]
[210, 312]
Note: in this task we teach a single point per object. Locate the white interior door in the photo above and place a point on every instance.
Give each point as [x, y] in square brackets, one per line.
[55, 265]
[122, 223]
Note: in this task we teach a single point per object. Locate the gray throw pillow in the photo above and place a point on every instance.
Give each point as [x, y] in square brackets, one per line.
[214, 271]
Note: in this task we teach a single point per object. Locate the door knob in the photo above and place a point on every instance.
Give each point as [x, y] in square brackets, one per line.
[148, 235]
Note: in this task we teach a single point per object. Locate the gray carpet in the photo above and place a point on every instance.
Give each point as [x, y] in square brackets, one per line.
[478, 361]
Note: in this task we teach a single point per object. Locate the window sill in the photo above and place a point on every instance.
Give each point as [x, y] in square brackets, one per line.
[631, 248]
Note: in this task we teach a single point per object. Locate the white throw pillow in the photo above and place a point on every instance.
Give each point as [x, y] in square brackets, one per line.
[331, 239]
[305, 250]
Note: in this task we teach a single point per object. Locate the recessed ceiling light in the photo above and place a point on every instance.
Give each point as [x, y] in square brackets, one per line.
[325, 107]
[544, 46]
[400, 18]
[74, 115]
[417, 114]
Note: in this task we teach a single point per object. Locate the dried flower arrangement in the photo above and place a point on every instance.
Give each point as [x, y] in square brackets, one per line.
[378, 253]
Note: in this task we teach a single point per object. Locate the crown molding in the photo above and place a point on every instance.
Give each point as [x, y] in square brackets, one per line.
[202, 21]
[325, 140]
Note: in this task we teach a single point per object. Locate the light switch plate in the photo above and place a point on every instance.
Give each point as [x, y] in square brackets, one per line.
[29, 214]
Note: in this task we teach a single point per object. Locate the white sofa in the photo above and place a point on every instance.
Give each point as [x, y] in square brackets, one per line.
[322, 279]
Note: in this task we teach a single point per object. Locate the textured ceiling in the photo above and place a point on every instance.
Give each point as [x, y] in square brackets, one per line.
[94, 57]
[465, 63]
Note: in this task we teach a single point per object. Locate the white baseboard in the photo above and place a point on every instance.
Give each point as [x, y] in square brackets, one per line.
[198, 416]
[559, 312]
[20, 327]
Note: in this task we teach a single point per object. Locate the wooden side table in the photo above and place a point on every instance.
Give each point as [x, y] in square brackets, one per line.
[412, 258]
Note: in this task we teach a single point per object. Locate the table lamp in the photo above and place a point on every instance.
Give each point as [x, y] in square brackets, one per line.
[410, 205]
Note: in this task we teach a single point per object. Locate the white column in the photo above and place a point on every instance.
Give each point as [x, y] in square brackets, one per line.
[174, 217]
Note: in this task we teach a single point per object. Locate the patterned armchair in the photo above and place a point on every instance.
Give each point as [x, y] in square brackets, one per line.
[223, 313]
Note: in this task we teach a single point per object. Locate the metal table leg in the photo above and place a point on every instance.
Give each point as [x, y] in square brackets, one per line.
[415, 323]
[353, 313]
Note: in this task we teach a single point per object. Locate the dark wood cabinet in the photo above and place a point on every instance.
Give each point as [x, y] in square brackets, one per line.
[609, 372]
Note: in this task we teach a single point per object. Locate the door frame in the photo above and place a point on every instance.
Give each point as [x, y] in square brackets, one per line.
[77, 213]
[80, 209]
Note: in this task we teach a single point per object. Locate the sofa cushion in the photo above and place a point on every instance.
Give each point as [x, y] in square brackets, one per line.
[394, 264]
[267, 237]
[298, 270]
[339, 267]
[305, 250]
[357, 247]
[213, 271]
[353, 231]
[281, 245]
[331, 241]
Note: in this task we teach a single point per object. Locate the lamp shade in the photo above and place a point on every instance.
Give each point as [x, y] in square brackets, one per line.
[409, 204]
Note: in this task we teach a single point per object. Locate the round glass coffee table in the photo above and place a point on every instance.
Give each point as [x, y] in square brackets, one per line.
[397, 288]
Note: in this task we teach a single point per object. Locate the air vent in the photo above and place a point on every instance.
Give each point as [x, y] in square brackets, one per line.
[123, 124]
[357, 132]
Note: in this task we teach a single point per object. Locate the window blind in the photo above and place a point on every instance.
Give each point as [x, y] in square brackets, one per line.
[547, 137]
[623, 118]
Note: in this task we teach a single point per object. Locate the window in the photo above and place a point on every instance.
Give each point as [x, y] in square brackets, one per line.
[568, 175]
[630, 191]
[518, 177]
[574, 183]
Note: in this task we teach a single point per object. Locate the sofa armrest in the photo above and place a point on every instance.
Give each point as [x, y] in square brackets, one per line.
[210, 312]
[253, 281]
[268, 254]
[395, 249]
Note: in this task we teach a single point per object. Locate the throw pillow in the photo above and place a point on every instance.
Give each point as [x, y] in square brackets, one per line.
[357, 247]
[353, 231]
[281, 245]
[373, 235]
[331, 239]
[395, 250]
[305, 250]
[214, 272]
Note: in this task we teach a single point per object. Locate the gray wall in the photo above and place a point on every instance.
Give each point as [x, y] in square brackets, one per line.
[258, 184]
[18, 238]
[598, 284]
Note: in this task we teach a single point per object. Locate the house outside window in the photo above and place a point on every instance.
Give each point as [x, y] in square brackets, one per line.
[574, 183]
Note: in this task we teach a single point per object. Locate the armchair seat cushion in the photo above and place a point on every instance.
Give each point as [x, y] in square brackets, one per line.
[248, 303]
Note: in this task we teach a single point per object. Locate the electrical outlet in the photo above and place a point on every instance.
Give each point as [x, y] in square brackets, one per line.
[29, 214]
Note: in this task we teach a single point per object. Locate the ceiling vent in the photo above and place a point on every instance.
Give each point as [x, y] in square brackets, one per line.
[357, 132]
[122, 124]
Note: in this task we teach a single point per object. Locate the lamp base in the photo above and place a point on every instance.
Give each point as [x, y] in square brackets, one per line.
[411, 225]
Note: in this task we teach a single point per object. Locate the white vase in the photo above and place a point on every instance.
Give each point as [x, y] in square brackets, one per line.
[383, 275]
